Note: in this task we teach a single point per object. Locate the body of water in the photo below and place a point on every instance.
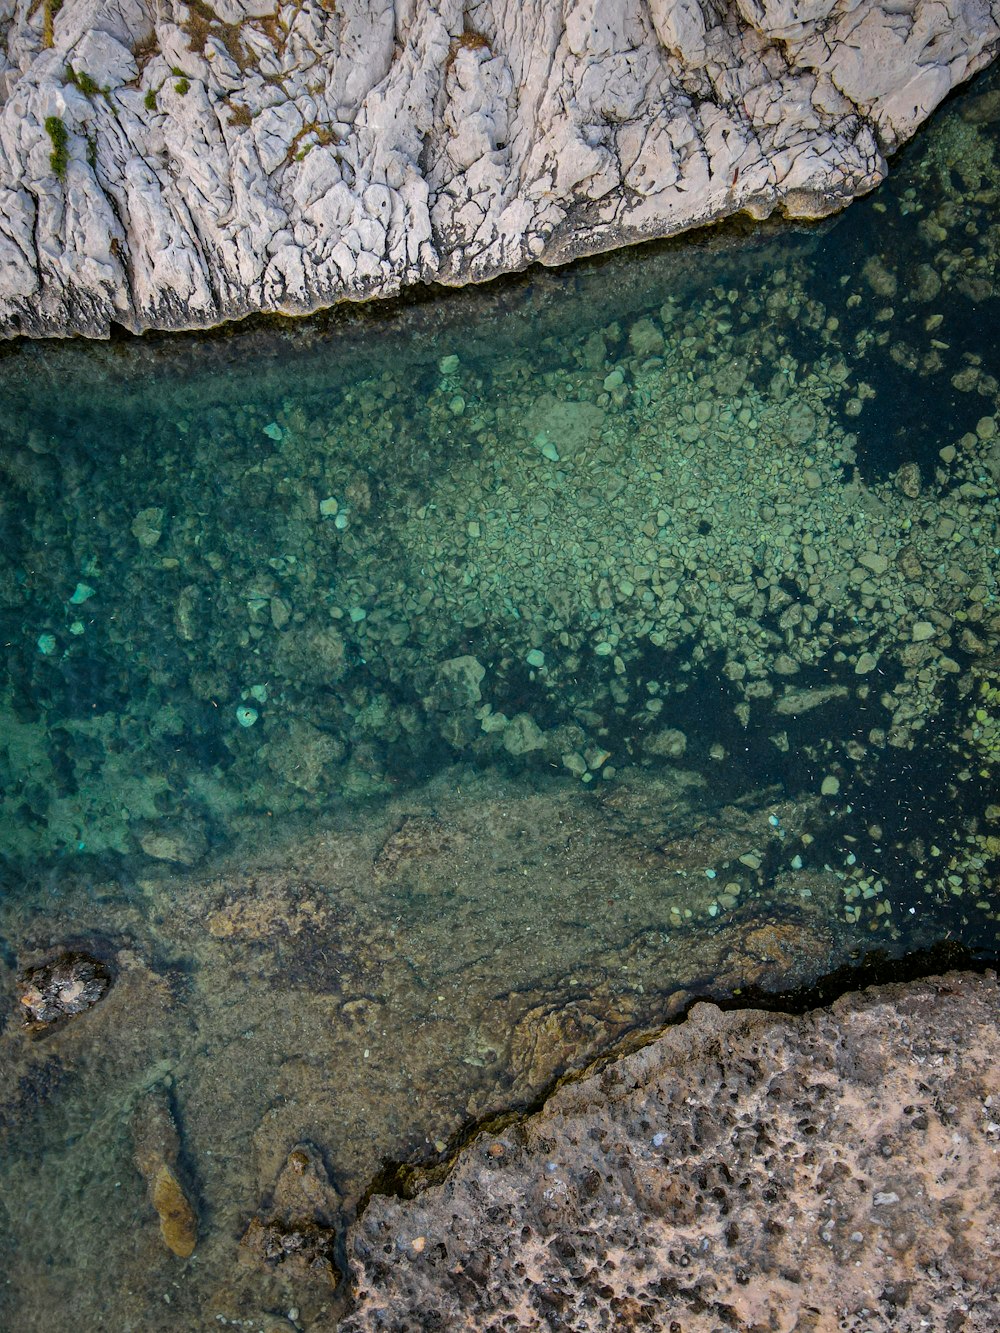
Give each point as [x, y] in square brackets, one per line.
[403, 706]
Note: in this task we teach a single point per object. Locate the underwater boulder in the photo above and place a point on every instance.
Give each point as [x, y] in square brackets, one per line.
[296, 1231]
[456, 685]
[156, 1145]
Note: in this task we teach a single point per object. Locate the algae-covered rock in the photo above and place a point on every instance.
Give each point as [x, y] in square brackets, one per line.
[304, 1187]
[262, 911]
[301, 1249]
[311, 657]
[416, 838]
[570, 425]
[187, 610]
[184, 844]
[668, 744]
[523, 735]
[147, 527]
[295, 1231]
[178, 1222]
[456, 684]
[156, 1148]
[303, 755]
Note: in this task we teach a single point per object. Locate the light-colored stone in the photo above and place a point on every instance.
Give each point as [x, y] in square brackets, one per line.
[522, 735]
[378, 144]
[874, 561]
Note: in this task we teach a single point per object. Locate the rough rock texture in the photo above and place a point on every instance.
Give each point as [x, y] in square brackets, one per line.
[69, 985]
[296, 1232]
[746, 1170]
[171, 165]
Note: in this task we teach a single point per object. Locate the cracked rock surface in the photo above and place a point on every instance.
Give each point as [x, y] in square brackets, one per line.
[172, 165]
[748, 1170]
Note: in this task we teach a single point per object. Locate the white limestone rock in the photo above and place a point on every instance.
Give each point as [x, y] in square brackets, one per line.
[286, 154]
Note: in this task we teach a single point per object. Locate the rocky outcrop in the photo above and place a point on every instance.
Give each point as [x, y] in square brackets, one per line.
[63, 988]
[746, 1170]
[173, 165]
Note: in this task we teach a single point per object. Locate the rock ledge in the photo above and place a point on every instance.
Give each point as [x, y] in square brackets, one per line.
[175, 165]
[746, 1170]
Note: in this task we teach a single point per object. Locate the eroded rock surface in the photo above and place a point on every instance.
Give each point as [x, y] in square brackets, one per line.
[746, 1170]
[173, 165]
[296, 1233]
[63, 988]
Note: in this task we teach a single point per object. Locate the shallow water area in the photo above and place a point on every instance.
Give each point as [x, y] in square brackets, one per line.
[405, 706]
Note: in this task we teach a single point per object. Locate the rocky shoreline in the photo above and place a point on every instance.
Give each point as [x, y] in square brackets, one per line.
[837, 1170]
[178, 167]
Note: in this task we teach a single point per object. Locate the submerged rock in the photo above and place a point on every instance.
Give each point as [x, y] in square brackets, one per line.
[183, 844]
[417, 838]
[156, 1149]
[299, 1249]
[178, 1221]
[457, 684]
[522, 735]
[295, 1233]
[147, 527]
[64, 988]
[302, 755]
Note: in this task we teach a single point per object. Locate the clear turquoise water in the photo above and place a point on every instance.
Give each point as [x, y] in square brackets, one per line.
[719, 517]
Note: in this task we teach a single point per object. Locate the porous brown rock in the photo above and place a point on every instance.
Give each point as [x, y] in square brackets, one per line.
[834, 1171]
